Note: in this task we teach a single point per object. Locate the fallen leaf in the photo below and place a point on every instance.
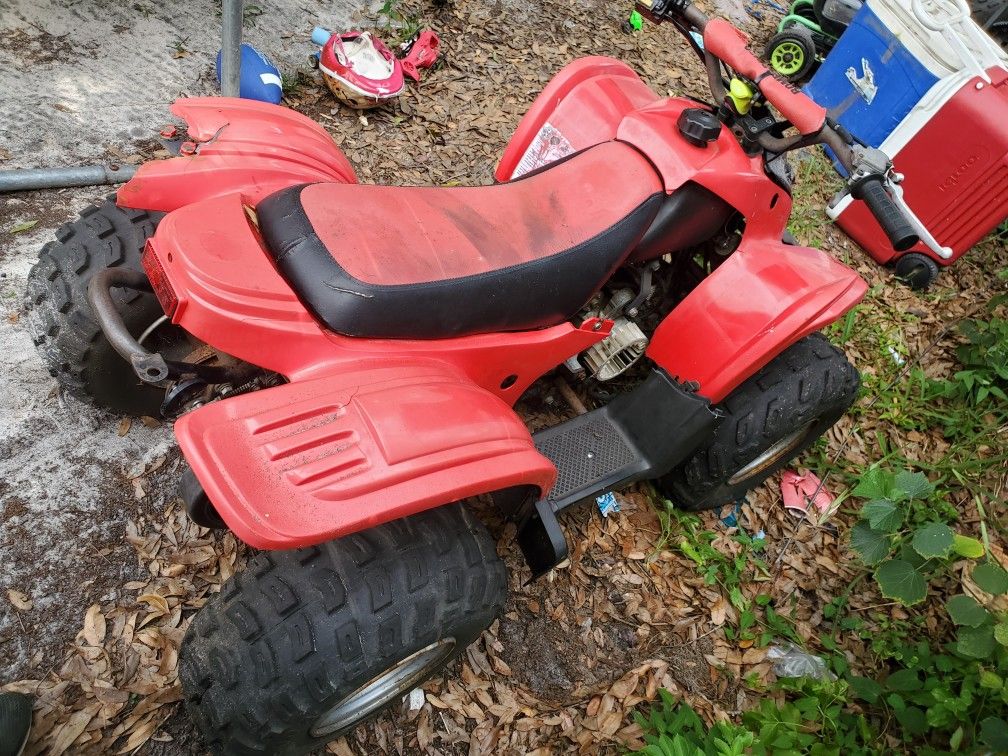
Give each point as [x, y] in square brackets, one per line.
[21, 227]
[94, 625]
[20, 601]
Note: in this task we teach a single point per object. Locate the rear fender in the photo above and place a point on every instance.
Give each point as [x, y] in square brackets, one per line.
[759, 301]
[314, 460]
[241, 146]
[580, 107]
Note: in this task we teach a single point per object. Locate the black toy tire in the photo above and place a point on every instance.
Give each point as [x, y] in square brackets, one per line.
[74, 348]
[795, 398]
[297, 632]
[797, 35]
[916, 270]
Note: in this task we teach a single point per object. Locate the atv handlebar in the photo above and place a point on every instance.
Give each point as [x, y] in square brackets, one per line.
[892, 220]
[871, 177]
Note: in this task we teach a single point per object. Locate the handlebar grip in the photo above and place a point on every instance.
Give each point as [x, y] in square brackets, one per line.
[886, 212]
[726, 42]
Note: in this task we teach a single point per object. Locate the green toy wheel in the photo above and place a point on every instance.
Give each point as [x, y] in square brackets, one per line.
[792, 53]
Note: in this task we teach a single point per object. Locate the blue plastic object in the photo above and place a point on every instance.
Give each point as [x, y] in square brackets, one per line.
[869, 81]
[320, 36]
[260, 79]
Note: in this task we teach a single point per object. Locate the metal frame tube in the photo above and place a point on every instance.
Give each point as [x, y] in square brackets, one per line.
[54, 178]
[231, 37]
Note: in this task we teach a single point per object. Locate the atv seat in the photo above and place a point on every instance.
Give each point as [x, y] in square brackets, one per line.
[431, 262]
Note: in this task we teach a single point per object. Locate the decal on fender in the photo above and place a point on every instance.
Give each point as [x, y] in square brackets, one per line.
[549, 145]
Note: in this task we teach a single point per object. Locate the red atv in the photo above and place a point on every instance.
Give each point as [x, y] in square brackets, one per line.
[342, 360]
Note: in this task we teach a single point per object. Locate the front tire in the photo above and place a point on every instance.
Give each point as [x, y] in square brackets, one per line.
[769, 420]
[62, 325]
[305, 644]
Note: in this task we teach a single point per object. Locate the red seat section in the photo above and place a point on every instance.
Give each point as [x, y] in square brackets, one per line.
[405, 235]
[430, 262]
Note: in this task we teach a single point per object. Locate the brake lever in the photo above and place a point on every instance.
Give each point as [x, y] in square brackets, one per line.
[870, 161]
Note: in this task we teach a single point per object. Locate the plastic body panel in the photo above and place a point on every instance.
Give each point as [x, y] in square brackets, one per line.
[231, 296]
[598, 99]
[956, 178]
[722, 166]
[306, 462]
[759, 301]
[585, 101]
[240, 145]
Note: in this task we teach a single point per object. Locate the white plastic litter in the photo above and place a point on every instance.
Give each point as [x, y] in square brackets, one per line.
[791, 661]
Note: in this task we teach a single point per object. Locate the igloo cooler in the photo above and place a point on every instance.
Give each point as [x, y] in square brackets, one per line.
[922, 82]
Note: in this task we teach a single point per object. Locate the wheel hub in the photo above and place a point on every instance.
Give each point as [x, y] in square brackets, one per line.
[394, 682]
[777, 451]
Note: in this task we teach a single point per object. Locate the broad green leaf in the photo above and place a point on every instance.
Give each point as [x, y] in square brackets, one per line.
[990, 680]
[898, 580]
[994, 732]
[964, 610]
[914, 485]
[967, 547]
[876, 483]
[976, 642]
[882, 515]
[1001, 632]
[913, 719]
[991, 578]
[865, 688]
[904, 680]
[871, 546]
[933, 540]
[21, 227]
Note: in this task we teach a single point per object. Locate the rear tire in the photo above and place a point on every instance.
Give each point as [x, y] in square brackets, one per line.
[62, 325]
[300, 633]
[769, 420]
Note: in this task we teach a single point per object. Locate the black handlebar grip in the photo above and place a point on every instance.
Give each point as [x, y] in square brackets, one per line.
[886, 212]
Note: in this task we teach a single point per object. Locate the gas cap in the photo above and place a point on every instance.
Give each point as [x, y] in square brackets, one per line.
[699, 127]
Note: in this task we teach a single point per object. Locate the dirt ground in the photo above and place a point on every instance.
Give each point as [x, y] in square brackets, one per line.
[90, 529]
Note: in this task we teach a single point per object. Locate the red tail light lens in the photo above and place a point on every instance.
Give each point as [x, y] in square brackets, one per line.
[159, 280]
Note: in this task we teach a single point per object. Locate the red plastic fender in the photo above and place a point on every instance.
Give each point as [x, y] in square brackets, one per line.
[246, 146]
[310, 461]
[759, 301]
[255, 316]
[583, 104]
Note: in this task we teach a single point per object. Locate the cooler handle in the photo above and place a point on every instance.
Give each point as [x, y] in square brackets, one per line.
[954, 30]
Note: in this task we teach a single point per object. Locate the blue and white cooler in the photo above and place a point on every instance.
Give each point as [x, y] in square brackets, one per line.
[921, 81]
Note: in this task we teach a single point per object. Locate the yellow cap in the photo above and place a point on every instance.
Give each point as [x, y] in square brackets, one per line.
[741, 95]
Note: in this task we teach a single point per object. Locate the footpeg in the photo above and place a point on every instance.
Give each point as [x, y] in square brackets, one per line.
[542, 540]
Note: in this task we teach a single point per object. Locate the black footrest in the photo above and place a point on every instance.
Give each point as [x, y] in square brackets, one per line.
[590, 453]
[641, 434]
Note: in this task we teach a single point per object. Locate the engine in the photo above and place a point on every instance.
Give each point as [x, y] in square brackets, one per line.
[624, 345]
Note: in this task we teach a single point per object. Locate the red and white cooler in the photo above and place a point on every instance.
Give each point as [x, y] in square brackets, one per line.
[952, 147]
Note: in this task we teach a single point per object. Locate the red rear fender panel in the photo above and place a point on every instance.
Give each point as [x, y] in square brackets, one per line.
[759, 301]
[721, 166]
[241, 145]
[582, 105]
[307, 462]
[230, 296]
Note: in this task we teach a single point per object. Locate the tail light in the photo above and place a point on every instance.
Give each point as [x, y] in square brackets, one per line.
[159, 280]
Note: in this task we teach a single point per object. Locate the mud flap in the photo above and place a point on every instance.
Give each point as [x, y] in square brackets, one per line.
[314, 460]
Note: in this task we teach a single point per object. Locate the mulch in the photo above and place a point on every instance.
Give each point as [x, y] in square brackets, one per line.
[577, 652]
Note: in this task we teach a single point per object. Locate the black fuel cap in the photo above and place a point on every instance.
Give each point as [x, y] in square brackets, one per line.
[699, 127]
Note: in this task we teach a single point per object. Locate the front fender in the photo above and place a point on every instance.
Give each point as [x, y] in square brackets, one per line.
[759, 301]
[241, 146]
[314, 460]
